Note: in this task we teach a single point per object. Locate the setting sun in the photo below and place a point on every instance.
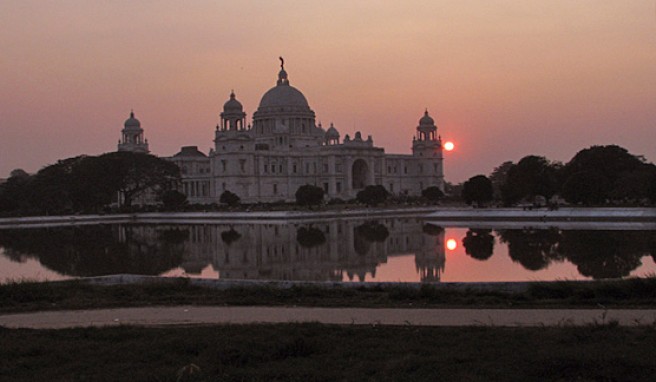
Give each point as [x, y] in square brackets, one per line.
[451, 244]
[448, 146]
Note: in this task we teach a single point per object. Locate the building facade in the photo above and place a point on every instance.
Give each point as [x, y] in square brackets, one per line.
[284, 148]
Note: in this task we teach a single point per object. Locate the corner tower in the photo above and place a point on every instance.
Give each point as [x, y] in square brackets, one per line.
[427, 149]
[132, 136]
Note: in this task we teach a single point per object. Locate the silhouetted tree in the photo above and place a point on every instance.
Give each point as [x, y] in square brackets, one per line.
[479, 243]
[530, 177]
[601, 173]
[309, 195]
[498, 177]
[173, 200]
[433, 193]
[229, 198]
[372, 195]
[478, 189]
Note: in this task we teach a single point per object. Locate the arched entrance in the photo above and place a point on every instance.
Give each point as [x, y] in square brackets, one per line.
[359, 174]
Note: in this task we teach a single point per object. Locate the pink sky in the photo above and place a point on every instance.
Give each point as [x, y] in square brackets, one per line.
[503, 79]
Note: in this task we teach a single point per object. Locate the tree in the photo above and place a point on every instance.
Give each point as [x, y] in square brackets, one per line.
[530, 177]
[14, 193]
[601, 173]
[133, 174]
[309, 195]
[432, 193]
[372, 195]
[173, 199]
[498, 177]
[229, 198]
[478, 189]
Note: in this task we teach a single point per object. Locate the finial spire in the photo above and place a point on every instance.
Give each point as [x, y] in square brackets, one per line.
[131, 113]
[282, 63]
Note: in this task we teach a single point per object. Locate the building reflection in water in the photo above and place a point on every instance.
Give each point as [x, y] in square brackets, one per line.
[334, 250]
[331, 250]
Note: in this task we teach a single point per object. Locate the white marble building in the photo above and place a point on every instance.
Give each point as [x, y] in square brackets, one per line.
[284, 148]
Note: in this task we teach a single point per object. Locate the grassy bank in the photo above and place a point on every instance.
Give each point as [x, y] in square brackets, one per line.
[630, 293]
[314, 352]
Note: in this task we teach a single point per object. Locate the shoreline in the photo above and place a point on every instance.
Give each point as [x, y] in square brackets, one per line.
[433, 214]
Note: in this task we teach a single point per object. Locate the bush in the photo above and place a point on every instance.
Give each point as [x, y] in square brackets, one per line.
[309, 195]
[433, 193]
[372, 195]
[229, 198]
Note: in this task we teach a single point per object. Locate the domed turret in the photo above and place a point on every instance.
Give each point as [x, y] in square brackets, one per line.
[426, 120]
[426, 129]
[233, 116]
[232, 105]
[132, 137]
[332, 135]
[132, 121]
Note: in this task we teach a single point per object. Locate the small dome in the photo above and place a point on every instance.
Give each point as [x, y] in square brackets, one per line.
[132, 122]
[426, 120]
[332, 132]
[232, 104]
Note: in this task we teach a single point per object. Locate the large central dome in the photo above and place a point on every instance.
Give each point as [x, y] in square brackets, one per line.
[283, 96]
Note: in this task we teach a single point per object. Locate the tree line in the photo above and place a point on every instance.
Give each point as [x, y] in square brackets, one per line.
[594, 176]
[89, 184]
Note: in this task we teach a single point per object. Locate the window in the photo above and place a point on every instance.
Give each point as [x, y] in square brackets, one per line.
[405, 169]
[391, 187]
[325, 167]
[242, 164]
[275, 189]
[307, 168]
[273, 168]
[280, 168]
[325, 188]
[294, 169]
[421, 168]
[224, 164]
[338, 167]
[338, 186]
[266, 168]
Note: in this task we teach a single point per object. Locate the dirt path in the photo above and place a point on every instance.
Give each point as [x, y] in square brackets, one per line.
[194, 315]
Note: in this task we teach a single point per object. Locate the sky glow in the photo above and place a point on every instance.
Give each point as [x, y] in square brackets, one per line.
[504, 79]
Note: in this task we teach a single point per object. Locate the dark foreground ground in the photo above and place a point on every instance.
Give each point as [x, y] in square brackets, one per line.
[314, 352]
[602, 351]
[78, 294]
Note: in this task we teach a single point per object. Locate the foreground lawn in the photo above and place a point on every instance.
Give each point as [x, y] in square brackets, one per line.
[314, 352]
[21, 297]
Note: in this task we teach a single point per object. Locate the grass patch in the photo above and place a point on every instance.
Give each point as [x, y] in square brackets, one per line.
[314, 352]
[77, 294]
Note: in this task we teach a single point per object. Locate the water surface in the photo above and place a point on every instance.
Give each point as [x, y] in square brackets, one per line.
[392, 249]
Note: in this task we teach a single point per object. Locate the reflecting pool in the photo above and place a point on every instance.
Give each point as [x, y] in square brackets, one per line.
[392, 249]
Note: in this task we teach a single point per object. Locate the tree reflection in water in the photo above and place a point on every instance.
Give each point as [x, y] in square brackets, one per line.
[96, 250]
[479, 243]
[309, 237]
[605, 254]
[534, 249]
[332, 250]
[368, 233]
